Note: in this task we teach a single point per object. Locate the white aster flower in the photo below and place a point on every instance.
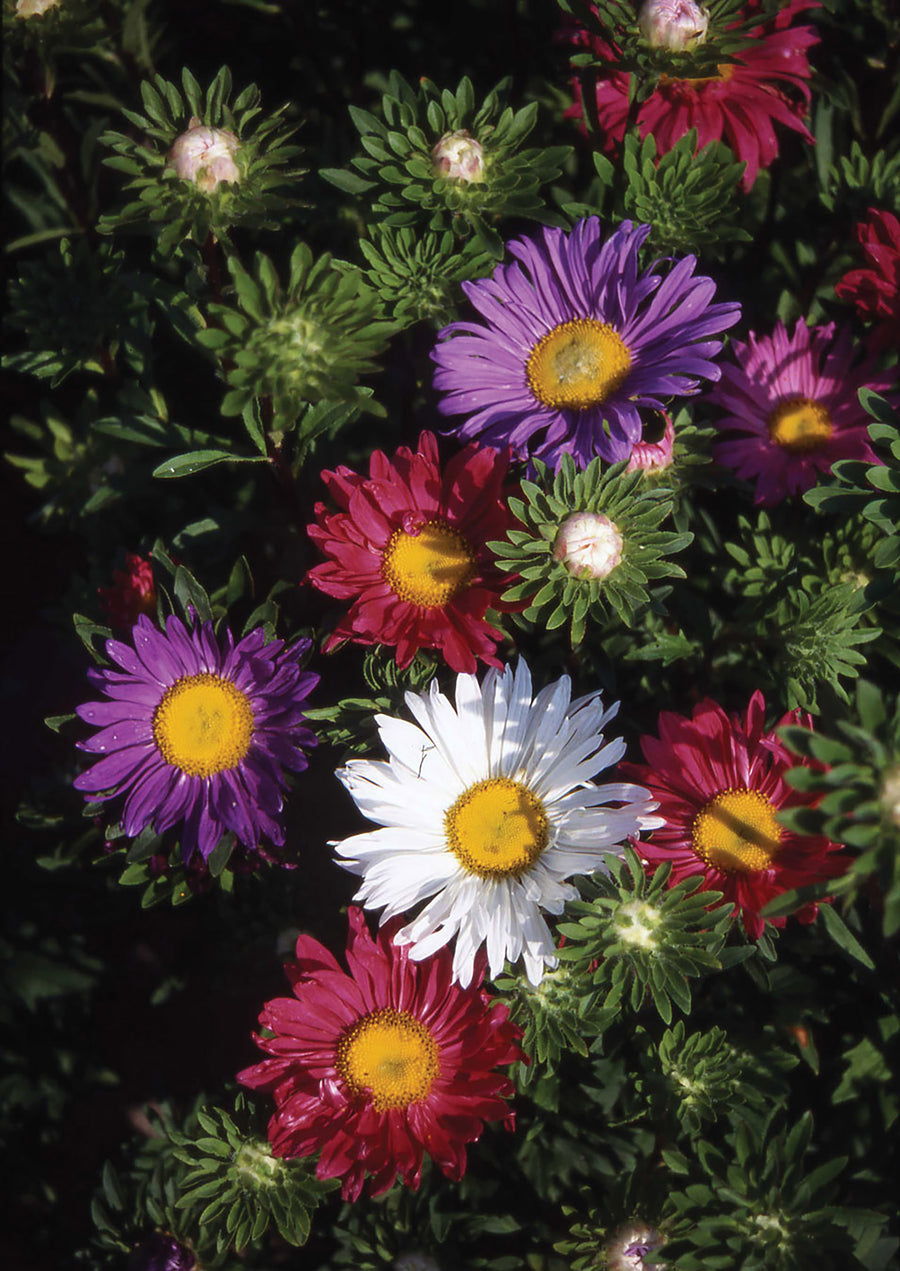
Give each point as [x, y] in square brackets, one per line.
[486, 810]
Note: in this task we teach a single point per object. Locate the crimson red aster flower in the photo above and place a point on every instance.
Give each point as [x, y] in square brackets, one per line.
[719, 780]
[133, 592]
[378, 1066]
[876, 291]
[740, 104]
[408, 547]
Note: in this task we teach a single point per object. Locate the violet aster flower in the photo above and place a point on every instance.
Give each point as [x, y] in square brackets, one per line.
[577, 340]
[793, 399]
[198, 730]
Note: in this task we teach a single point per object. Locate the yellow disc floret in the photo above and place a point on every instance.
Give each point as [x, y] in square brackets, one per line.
[800, 425]
[389, 1055]
[577, 365]
[497, 828]
[428, 568]
[737, 832]
[203, 725]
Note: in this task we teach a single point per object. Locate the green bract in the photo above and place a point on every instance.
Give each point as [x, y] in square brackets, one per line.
[637, 938]
[418, 276]
[176, 207]
[860, 795]
[305, 341]
[690, 199]
[399, 170]
[553, 594]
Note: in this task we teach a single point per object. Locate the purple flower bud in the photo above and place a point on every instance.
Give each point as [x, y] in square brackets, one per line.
[589, 545]
[205, 156]
[675, 25]
[161, 1252]
[459, 155]
[626, 1248]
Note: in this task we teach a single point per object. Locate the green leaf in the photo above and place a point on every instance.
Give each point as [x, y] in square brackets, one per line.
[843, 937]
[196, 460]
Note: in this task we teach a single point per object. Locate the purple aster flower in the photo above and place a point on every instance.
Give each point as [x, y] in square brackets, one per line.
[577, 342]
[198, 730]
[161, 1252]
[793, 401]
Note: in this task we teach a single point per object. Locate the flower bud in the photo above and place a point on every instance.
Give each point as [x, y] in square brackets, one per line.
[34, 8]
[133, 592]
[890, 795]
[205, 156]
[459, 155]
[675, 25]
[626, 1248]
[653, 455]
[589, 545]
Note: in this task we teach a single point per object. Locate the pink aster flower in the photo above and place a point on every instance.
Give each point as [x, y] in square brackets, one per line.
[656, 448]
[767, 84]
[376, 1067]
[133, 592]
[408, 548]
[793, 401]
[876, 291]
[720, 780]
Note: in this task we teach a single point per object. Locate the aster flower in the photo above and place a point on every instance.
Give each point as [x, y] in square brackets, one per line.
[198, 730]
[720, 781]
[655, 452]
[408, 547]
[133, 592]
[576, 342]
[486, 810]
[767, 83]
[794, 399]
[876, 290]
[376, 1067]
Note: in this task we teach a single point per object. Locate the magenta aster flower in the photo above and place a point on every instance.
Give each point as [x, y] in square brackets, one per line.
[720, 780]
[576, 341]
[132, 593]
[408, 547]
[876, 290]
[740, 104]
[198, 730]
[375, 1068]
[794, 400]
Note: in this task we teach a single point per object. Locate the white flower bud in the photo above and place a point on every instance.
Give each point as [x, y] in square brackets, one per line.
[34, 8]
[459, 155]
[415, 1261]
[589, 545]
[890, 796]
[675, 25]
[205, 156]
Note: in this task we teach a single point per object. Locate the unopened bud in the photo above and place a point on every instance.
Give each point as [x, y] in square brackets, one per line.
[675, 25]
[34, 8]
[654, 455]
[459, 155]
[890, 796]
[589, 545]
[205, 156]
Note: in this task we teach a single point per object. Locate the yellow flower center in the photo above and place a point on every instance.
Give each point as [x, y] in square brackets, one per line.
[724, 71]
[203, 725]
[800, 425]
[577, 365]
[390, 1055]
[430, 567]
[497, 828]
[737, 832]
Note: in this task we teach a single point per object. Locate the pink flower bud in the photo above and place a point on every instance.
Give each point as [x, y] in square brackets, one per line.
[589, 545]
[34, 8]
[459, 155]
[205, 156]
[675, 25]
[654, 456]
